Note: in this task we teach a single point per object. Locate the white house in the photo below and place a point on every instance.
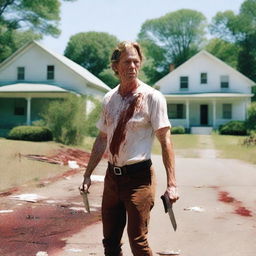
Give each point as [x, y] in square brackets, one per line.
[32, 76]
[204, 93]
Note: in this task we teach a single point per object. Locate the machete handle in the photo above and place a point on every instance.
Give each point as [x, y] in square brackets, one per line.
[164, 203]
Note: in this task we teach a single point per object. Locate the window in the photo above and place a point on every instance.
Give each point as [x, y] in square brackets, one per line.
[50, 72]
[21, 73]
[227, 111]
[203, 78]
[224, 82]
[19, 107]
[176, 111]
[184, 82]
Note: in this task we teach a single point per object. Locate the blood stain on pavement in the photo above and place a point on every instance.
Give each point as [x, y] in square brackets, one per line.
[225, 197]
[239, 208]
[243, 211]
[31, 229]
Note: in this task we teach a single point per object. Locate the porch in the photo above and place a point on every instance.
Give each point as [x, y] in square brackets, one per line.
[208, 110]
[20, 104]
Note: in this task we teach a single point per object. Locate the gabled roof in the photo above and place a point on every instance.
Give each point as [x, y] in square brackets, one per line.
[212, 57]
[81, 71]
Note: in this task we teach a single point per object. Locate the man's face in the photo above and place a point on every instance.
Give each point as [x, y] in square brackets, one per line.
[128, 65]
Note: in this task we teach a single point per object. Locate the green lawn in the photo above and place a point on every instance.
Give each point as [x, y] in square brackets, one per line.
[185, 145]
[16, 169]
[231, 147]
[227, 146]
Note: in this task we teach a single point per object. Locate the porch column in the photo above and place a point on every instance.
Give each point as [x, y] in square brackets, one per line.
[214, 113]
[246, 105]
[28, 110]
[187, 113]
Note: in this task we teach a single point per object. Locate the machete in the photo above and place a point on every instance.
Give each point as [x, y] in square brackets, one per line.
[168, 208]
[86, 201]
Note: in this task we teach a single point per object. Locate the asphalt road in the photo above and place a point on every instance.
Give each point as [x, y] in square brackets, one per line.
[216, 213]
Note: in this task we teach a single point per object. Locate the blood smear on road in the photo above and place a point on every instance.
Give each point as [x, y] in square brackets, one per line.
[239, 208]
[40, 228]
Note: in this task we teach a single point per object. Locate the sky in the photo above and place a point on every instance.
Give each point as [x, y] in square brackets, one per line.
[124, 18]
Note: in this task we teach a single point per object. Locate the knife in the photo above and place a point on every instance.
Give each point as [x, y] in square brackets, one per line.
[168, 208]
[86, 201]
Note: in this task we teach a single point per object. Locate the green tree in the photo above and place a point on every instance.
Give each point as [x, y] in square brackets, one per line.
[93, 117]
[155, 64]
[11, 40]
[66, 119]
[251, 120]
[108, 77]
[91, 50]
[172, 38]
[24, 20]
[226, 51]
[241, 30]
[254, 93]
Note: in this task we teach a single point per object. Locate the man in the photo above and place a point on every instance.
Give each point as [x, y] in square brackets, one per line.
[132, 113]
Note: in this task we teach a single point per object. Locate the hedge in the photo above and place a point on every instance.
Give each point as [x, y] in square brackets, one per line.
[30, 133]
[178, 130]
[233, 128]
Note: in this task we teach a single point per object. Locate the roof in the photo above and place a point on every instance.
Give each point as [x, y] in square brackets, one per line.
[31, 87]
[84, 73]
[209, 55]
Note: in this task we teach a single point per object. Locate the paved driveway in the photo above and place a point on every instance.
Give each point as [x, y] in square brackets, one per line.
[224, 191]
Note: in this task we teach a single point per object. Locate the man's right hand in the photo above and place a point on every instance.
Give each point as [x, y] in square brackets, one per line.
[84, 188]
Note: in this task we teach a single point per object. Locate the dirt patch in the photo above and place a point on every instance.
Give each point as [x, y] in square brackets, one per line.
[63, 156]
[33, 228]
[9, 192]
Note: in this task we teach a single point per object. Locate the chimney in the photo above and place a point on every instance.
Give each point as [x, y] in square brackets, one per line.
[172, 67]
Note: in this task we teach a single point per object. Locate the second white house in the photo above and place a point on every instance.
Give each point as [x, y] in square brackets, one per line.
[204, 93]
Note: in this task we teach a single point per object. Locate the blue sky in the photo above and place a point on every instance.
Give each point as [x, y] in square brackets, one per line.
[123, 18]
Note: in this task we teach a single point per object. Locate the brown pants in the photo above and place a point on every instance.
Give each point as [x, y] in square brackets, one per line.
[131, 194]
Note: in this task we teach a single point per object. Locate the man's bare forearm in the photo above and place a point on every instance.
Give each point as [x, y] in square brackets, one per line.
[168, 155]
[98, 150]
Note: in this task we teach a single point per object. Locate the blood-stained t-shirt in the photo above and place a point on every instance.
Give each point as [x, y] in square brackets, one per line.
[130, 123]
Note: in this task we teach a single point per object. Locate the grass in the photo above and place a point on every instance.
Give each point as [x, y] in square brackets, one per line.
[184, 145]
[231, 147]
[16, 169]
[227, 146]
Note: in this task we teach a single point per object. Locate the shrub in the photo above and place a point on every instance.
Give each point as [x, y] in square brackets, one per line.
[178, 130]
[233, 128]
[251, 120]
[92, 118]
[30, 133]
[250, 140]
[66, 119]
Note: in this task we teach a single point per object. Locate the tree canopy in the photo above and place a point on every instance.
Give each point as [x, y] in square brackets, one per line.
[172, 38]
[239, 29]
[92, 50]
[25, 20]
[226, 51]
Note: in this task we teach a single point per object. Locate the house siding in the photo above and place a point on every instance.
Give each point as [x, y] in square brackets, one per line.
[35, 59]
[238, 94]
[193, 69]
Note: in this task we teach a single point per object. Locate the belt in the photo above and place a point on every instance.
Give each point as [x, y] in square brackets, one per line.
[126, 169]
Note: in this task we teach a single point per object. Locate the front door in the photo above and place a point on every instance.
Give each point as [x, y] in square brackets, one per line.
[204, 114]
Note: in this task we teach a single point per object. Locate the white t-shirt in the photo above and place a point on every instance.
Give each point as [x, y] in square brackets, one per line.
[130, 123]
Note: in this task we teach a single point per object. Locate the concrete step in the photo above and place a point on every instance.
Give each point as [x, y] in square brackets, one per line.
[201, 130]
